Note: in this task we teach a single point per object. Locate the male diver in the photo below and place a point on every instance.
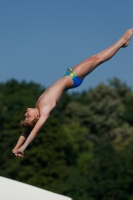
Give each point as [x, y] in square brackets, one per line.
[36, 117]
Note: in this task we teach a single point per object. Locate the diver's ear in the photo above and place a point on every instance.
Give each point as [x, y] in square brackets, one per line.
[37, 116]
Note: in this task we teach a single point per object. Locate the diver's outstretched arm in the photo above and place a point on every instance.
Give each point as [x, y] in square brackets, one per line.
[21, 140]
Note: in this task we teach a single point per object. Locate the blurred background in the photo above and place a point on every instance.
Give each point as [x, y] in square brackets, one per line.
[85, 149]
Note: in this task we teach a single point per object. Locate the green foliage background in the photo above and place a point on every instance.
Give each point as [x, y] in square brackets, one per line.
[85, 149]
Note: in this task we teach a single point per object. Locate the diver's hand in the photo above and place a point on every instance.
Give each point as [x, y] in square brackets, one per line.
[14, 150]
[20, 152]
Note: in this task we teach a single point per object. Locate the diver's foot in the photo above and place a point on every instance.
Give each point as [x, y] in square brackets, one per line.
[126, 37]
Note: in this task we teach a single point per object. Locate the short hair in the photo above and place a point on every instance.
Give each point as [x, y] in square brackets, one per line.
[28, 125]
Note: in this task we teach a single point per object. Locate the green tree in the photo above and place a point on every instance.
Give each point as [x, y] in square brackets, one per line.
[85, 148]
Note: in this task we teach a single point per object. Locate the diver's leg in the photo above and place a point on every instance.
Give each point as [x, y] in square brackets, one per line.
[88, 65]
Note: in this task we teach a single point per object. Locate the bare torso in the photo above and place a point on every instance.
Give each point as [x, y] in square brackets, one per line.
[47, 101]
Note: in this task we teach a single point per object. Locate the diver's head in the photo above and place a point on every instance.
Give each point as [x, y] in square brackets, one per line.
[31, 118]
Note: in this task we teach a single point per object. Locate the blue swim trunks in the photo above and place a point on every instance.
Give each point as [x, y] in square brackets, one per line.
[76, 80]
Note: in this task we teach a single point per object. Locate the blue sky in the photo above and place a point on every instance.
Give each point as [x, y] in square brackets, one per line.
[40, 39]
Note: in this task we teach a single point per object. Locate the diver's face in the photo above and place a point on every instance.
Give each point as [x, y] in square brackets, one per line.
[30, 114]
